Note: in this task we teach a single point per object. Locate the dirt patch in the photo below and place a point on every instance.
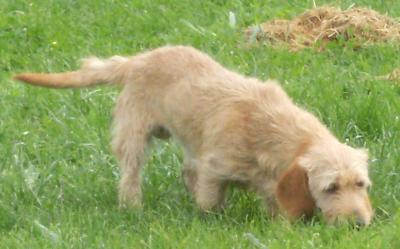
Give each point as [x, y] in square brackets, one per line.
[324, 24]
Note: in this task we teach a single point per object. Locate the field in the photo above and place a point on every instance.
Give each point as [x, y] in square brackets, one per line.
[58, 177]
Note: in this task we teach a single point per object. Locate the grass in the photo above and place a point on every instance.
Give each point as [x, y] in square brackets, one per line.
[58, 177]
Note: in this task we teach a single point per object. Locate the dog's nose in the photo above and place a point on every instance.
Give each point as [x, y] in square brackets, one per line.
[359, 219]
[360, 222]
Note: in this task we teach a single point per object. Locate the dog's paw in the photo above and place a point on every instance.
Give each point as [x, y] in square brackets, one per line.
[130, 199]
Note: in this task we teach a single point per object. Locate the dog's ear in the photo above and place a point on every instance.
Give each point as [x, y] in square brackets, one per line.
[293, 193]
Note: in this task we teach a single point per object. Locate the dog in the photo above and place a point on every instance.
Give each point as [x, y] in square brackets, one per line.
[233, 129]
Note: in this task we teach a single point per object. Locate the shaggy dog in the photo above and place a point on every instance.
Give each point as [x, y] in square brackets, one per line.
[233, 129]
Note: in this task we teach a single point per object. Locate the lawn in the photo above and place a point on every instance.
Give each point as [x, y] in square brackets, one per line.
[58, 176]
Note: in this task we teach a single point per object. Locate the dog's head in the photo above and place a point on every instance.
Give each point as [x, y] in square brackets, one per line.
[332, 177]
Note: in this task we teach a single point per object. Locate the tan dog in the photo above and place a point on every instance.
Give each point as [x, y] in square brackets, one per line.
[233, 129]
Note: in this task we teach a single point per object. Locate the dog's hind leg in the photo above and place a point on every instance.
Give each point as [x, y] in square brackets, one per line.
[133, 125]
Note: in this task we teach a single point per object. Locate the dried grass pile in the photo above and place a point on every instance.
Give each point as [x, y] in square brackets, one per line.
[323, 24]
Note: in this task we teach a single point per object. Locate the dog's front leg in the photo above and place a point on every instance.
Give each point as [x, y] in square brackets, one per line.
[266, 191]
[271, 205]
[209, 190]
[189, 176]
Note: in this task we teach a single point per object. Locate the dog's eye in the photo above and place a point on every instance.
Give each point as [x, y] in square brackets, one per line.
[360, 184]
[332, 188]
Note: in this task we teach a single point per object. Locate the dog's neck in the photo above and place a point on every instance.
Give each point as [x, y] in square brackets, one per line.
[282, 143]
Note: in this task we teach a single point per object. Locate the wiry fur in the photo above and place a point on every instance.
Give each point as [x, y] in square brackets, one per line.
[232, 128]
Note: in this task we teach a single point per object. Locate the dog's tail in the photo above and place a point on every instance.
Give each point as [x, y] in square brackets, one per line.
[94, 71]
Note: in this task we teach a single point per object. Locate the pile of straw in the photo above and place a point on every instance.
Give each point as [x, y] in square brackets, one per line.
[324, 24]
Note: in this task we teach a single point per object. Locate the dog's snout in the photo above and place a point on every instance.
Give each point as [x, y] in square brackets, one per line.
[359, 218]
[356, 213]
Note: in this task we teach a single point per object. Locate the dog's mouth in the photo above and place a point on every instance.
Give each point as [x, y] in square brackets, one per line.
[354, 221]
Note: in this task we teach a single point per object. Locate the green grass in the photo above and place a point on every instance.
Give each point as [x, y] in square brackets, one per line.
[58, 177]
